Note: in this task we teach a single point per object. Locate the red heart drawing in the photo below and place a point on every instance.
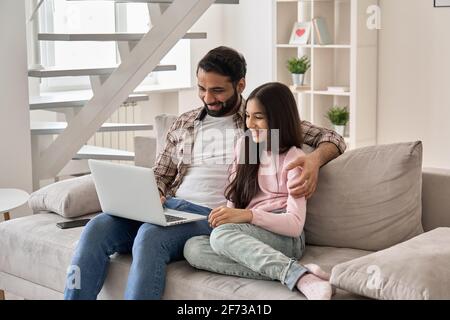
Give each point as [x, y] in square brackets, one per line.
[300, 32]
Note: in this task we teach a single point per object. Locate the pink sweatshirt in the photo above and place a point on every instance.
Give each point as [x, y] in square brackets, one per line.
[273, 179]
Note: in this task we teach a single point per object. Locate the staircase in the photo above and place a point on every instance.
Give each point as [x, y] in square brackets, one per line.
[112, 86]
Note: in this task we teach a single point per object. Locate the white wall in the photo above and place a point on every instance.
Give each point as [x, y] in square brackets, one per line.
[414, 77]
[248, 29]
[15, 150]
[211, 22]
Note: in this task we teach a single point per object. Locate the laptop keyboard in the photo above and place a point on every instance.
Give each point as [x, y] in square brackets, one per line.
[170, 218]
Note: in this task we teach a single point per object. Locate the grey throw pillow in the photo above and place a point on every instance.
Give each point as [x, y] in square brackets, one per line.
[417, 269]
[368, 198]
[68, 198]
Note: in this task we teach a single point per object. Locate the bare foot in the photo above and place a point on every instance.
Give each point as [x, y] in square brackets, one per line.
[314, 288]
[318, 271]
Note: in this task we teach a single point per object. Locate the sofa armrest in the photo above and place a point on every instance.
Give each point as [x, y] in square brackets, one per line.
[435, 198]
[144, 151]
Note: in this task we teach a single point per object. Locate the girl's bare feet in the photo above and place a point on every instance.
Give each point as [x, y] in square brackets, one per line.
[319, 272]
[314, 288]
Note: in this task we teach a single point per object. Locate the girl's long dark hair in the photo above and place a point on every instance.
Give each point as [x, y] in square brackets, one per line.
[281, 113]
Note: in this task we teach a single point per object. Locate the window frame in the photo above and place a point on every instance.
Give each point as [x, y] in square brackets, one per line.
[48, 51]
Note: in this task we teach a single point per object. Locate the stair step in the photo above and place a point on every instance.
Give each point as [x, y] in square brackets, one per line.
[61, 72]
[72, 100]
[101, 153]
[161, 1]
[44, 128]
[106, 36]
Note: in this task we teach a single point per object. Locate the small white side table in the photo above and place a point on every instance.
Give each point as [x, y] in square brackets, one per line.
[11, 199]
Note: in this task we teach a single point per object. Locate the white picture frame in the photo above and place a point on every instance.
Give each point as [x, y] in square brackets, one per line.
[301, 33]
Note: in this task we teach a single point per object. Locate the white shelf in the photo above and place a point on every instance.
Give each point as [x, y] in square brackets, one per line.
[293, 46]
[350, 60]
[328, 46]
[300, 89]
[307, 90]
[330, 93]
[304, 1]
[333, 46]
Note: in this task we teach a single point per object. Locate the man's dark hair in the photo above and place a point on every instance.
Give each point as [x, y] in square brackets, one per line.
[226, 62]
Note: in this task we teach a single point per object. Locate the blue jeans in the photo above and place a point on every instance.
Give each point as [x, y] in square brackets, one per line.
[246, 250]
[152, 247]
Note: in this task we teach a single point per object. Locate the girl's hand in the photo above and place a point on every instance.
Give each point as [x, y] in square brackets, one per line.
[223, 214]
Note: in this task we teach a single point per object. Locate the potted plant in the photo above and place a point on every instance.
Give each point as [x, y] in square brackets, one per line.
[339, 117]
[298, 67]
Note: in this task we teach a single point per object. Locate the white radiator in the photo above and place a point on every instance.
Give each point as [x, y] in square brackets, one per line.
[123, 140]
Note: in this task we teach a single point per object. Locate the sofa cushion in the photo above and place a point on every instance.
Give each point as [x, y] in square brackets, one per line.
[435, 198]
[416, 269]
[144, 151]
[34, 249]
[69, 198]
[163, 122]
[368, 198]
[185, 282]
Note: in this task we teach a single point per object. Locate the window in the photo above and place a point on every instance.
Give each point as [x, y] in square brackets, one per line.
[59, 16]
[136, 21]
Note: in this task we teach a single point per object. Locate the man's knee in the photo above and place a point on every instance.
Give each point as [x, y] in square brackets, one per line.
[98, 229]
[150, 234]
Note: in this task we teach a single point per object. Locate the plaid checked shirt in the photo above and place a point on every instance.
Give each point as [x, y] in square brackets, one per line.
[173, 162]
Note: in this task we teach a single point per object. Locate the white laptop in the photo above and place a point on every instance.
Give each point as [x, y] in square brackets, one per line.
[131, 192]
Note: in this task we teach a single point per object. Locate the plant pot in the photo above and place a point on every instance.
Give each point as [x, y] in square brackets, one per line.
[297, 79]
[339, 130]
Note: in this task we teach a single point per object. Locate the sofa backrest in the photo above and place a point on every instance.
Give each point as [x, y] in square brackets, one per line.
[163, 122]
[435, 182]
[368, 198]
[435, 198]
[148, 148]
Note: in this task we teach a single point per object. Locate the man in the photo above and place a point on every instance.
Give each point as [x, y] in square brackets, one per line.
[191, 167]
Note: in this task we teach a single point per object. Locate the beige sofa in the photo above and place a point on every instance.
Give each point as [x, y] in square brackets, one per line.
[34, 254]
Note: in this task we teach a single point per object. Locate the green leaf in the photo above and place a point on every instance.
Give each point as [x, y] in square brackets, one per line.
[298, 65]
[338, 116]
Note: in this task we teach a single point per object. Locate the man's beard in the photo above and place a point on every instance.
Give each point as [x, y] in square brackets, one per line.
[226, 107]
